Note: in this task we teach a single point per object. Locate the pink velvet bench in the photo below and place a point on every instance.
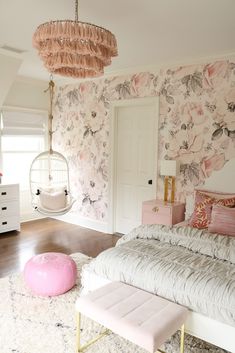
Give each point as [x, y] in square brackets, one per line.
[139, 316]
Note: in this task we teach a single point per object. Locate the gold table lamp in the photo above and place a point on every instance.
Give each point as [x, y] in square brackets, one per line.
[169, 169]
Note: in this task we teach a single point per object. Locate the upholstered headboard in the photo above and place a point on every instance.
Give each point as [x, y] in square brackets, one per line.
[221, 181]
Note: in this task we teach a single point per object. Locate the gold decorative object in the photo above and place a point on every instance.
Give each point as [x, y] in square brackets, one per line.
[169, 169]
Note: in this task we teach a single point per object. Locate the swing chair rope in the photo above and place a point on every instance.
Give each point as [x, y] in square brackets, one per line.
[51, 170]
[51, 88]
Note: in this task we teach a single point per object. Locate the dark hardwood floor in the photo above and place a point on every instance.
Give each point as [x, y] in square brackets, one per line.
[48, 234]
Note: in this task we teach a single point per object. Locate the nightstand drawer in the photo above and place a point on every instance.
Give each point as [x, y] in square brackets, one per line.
[157, 209]
[160, 212]
[156, 218]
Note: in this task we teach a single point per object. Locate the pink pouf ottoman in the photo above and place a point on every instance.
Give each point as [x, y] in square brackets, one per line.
[50, 273]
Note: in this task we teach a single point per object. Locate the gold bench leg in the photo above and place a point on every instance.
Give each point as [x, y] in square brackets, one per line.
[80, 348]
[182, 339]
[78, 332]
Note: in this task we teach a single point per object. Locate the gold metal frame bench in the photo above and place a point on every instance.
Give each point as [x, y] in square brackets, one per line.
[81, 348]
[136, 315]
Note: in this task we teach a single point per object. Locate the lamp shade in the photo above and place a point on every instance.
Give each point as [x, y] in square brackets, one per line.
[169, 168]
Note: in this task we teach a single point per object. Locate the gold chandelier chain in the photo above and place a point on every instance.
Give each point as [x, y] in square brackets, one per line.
[76, 10]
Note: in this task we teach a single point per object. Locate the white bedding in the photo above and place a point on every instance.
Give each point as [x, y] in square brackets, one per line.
[188, 266]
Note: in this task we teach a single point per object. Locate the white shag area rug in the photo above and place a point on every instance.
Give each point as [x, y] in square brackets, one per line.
[32, 324]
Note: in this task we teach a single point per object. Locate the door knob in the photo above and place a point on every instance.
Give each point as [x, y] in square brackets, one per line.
[150, 181]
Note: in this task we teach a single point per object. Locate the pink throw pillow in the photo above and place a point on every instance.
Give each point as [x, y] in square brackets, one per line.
[202, 210]
[203, 206]
[222, 220]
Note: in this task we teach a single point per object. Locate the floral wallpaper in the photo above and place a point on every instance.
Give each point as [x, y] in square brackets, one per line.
[197, 126]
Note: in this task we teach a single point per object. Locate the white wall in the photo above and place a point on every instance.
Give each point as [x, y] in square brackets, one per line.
[9, 66]
[28, 93]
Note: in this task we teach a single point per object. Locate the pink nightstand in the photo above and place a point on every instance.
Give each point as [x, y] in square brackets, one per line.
[160, 212]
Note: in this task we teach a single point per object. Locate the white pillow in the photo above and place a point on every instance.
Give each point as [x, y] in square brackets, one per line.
[52, 189]
[189, 206]
[54, 201]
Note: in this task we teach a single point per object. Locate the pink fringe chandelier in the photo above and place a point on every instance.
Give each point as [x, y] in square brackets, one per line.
[74, 48]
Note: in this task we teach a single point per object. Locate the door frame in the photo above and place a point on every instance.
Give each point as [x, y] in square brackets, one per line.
[112, 168]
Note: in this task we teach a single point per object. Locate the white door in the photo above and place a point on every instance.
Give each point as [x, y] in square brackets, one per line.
[136, 161]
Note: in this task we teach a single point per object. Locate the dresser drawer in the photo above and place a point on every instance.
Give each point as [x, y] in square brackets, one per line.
[8, 223]
[9, 192]
[9, 208]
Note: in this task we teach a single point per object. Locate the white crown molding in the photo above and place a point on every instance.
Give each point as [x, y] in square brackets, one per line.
[172, 64]
[60, 81]
[32, 81]
[10, 54]
[150, 68]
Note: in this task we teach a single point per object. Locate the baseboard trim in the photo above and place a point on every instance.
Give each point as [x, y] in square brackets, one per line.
[73, 218]
[27, 217]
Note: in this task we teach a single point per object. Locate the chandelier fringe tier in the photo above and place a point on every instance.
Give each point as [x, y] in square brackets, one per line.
[74, 48]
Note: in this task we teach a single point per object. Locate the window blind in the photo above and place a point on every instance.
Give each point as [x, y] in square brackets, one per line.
[22, 123]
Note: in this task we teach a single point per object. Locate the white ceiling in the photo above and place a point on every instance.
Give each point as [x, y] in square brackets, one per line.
[148, 32]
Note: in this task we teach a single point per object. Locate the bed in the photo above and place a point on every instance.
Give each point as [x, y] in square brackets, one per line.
[192, 267]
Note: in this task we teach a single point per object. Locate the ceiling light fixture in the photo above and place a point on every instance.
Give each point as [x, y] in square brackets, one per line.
[74, 48]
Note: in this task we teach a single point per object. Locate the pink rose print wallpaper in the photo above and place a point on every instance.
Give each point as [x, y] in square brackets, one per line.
[196, 126]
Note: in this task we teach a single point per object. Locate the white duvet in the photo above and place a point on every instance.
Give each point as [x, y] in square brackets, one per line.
[188, 266]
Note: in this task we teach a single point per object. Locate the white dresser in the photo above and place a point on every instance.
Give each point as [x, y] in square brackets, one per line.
[9, 207]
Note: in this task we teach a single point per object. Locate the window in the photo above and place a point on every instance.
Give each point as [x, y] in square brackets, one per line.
[18, 153]
[22, 139]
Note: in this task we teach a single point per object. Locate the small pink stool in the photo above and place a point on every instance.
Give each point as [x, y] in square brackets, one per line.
[50, 274]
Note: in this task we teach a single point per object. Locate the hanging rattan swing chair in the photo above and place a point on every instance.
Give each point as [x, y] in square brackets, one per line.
[49, 176]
